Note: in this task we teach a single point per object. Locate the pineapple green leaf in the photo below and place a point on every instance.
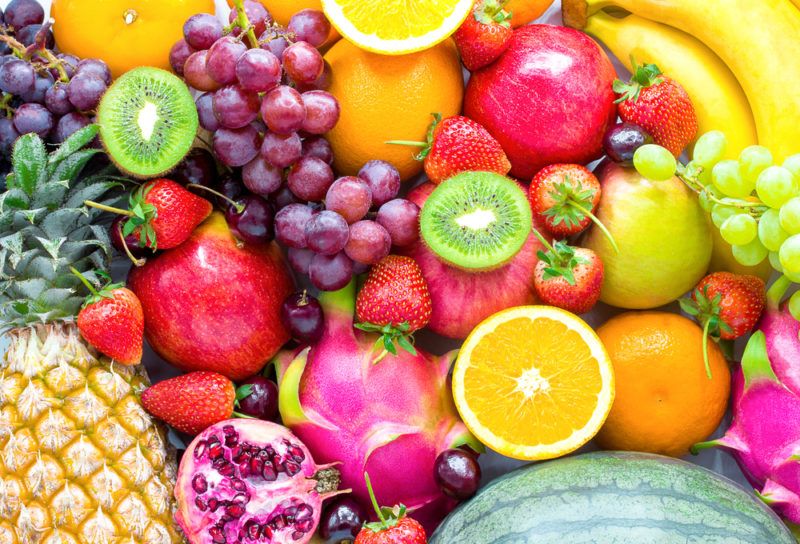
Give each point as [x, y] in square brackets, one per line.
[77, 141]
[15, 199]
[50, 195]
[29, 157]
[60, 221]
[13, 243]
[70, 167]
[30, 289]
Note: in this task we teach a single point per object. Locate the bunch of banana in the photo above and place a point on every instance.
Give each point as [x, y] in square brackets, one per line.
[753, 42]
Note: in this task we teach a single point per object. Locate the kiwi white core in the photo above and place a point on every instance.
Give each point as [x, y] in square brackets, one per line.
[477, 219]
[147, 119]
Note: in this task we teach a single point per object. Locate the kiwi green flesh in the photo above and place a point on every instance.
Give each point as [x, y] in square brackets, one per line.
[148, 122]
[476, 220]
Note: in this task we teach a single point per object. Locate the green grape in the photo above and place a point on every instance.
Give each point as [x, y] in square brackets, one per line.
[727, 177]
[709, 149]
[794, 278]
[720, 213]
[750, 254]
[790, 216]
[754, 160]
[770, 231]
[739, 229]
[654, 162]
[792, 164]
[775, 186]
[790, 255]
[775, 261]
[794, 305]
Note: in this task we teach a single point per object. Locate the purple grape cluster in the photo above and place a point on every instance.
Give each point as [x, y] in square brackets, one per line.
[41, 91]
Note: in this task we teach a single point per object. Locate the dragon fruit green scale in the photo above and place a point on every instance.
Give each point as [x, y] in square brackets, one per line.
[390, 419]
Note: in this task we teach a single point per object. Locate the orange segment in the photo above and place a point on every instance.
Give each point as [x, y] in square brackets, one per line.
[533, 382]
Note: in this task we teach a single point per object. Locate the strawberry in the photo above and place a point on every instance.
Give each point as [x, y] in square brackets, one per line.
[394, 301]
[568, 277]
[458, 144]
[659, 105]
[484, 35]
[392, 527]
[112, 320]
[727, 305]
[192, 402]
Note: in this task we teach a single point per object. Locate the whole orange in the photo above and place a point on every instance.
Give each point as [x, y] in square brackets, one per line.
[123, 33]
[665, 401]
[386, 98]
[525, 11]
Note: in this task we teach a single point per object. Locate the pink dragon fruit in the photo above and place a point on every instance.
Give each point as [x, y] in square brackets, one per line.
[247, 480]
[390, 419]
[764, 437]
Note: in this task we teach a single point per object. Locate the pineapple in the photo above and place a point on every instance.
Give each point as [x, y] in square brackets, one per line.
[80, 459]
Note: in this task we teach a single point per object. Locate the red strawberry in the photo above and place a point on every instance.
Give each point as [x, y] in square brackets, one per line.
[659, 105]
[394, 301]
[727, 305]
[112, 321]
[568, 277]
[484, 35]
[392, 527]
[192, 402]
[458, 144]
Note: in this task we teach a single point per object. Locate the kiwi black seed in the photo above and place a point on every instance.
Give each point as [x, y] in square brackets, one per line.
[148, 122]
[476, 220]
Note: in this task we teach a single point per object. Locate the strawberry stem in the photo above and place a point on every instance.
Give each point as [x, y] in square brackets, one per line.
[705, 348]
[238, 206]
[543, 240]
[105, 208]
[136, 262]
[597, 222]
[83, 279]
[374, 500]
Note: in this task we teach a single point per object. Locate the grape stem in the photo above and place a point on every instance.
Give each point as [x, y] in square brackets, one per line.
[756, 208]
[237, 205]
[244, 23]
[5, 104]
[25, 54]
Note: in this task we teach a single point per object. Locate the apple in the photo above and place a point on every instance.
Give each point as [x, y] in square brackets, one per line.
[548, 99]
[214, 304]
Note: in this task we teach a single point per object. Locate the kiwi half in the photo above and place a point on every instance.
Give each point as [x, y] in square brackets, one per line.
[148, 122]
[476, 220]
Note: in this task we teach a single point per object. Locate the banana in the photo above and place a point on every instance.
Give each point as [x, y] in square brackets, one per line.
[759, 40]
[718, 98]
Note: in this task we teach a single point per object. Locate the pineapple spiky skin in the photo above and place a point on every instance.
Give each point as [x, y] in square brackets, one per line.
[80, 460]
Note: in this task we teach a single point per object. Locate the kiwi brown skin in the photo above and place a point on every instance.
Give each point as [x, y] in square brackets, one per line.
[518, 216]
[189, 122]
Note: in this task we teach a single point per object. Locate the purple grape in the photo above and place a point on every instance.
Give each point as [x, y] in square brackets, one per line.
[21, 13]
[201, 30]
[255, 223]
[57, 100]
[400, 218]
[622, 140]
[310, 25]
[283, 197]
[262, 400]
[330, 272]
[322, 83]
[290, 225]
[310, 178]
[276, 40]
[457, 473]
[261, 177]
[222, 57]
[195, 71]
[282, 150]
[205, 111]
[68, 62]
[342, 520]
[178, 56]
[368, 243]
[256, 13]
[302, 316]
[350, 197]
[236, 146]
[230, 186]
[327, 233]
[28, 35]
[69, 124]
[383, 180]
[8, 135]
[33, 118]
[319, 147]
[322, 112]
[300, 259]
[96, 68]
[283, 110]
[234, 107]
[17, 77]
[258, 70]
[41, 85]
[197, 167]
[85, 91]
[131, 240]
[302, 62]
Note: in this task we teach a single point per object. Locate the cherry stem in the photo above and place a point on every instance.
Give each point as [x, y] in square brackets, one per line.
[241, 415]
[83, 279]
[239, 207]
[543, 240]
[136, 262]
[112, 209]
[407, 142]
[705, 348]
[374, 500]
[244, 23]
[597, 222]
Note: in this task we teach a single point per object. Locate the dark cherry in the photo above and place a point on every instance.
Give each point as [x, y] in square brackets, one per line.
[457, 473]
[255, 223]
[302, 315]
[622, 140]
[232, 187]
[132, 240]
[341, 521]
[198, 167]
[262, 400]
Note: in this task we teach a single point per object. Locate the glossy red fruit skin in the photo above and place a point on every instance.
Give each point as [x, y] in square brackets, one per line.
[578, 298]
[545, 182]
[742, 301]
[115, 326]
[211, 305]
[179, 211]
[548, 99]
[407, 531]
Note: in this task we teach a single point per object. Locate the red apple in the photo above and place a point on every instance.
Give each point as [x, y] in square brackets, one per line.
[548, 99]
[212, 305]
[460, 299]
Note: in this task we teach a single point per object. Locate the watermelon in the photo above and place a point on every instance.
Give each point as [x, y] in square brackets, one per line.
[613, 498]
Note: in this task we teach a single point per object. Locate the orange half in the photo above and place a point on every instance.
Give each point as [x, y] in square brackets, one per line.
[533, 382]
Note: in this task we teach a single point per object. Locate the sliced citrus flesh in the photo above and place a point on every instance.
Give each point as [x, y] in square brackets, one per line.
[396, 27]
[533, 382]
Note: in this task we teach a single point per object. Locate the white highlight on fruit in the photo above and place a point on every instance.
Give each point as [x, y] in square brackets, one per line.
[477, 220]
[532, 382]
[147, 119]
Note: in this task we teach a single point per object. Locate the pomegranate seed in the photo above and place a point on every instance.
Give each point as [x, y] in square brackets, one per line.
[297, 454]
[304, 511]
[213, 504]
[215, 450]
[231, 440]
[200, 449]
[297, 535]
[252, 529]
[241, 498]
[268, 473]
[199, 484]
[290, 513]
[268, 531]
[201, 504]
[217, 535]
[238, 485]
[304, 525]
[227, 469]
[235, 510]
[292, 468]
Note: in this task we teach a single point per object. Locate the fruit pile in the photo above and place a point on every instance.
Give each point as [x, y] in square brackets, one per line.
[307, 202]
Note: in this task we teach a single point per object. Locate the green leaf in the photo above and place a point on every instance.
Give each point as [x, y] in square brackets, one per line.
[50, 195]
[244, 391]
[15, 199]
[91, 191]
[406, 345]
[29, 159]
[79, 139]
[30, 289]
[62, 222]
[52, 245]
[70, 168]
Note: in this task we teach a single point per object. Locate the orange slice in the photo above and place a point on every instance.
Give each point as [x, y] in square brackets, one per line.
[533, 382]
